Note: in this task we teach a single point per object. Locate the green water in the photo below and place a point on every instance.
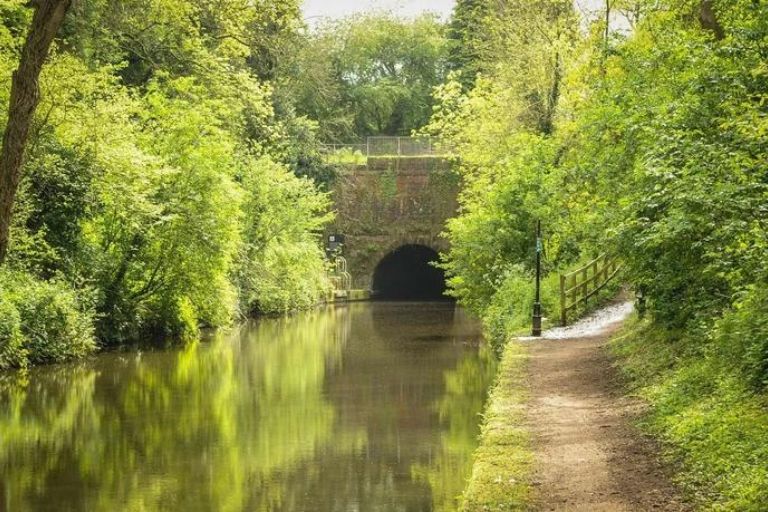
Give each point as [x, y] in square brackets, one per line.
[354, 408]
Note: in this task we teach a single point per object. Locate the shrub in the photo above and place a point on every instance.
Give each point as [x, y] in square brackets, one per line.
[12, 353]
[53, 323]
[512, 305]
[178, 320]
[741, 337]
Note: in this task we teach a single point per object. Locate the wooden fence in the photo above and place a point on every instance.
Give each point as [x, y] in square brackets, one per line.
[579, 286]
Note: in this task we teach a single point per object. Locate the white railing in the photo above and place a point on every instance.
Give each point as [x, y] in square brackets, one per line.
[341, 278]
[358, 153]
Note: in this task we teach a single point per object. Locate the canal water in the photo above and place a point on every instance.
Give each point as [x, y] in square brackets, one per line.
[364, 407]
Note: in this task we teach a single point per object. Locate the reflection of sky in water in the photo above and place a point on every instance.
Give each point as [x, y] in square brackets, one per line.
[369, 407]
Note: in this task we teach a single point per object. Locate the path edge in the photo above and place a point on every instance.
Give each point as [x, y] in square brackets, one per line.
[500, 478]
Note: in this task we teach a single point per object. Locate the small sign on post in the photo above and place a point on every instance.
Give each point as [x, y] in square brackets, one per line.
[334, 245]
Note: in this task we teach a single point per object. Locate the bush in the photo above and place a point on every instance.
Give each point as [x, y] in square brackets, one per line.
[512, 305]
[42, 322]
[12, 353]
[741, 337]
[177, 320]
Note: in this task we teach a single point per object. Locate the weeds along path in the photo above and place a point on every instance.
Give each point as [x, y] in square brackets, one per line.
[587, 454]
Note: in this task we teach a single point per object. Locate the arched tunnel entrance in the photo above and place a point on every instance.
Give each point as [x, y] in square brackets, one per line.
[407, 273]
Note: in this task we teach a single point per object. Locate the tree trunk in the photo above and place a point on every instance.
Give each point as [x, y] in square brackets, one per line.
[553, 96]
[709, 21]
[25, 95]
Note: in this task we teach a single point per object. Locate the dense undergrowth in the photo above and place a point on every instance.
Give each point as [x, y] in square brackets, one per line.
[41, 322]
[704, 407]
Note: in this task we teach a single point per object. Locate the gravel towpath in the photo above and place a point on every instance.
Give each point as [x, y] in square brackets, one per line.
[588, 454]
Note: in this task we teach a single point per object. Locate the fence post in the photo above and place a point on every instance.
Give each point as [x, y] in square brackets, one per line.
[563, 302]
[574, 291]
[595, 280]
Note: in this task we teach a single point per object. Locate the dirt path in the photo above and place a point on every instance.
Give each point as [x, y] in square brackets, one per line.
[588, 456]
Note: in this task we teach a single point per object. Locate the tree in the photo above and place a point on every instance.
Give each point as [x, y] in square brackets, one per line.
[369, 75]
[468, 36]
[25, 95]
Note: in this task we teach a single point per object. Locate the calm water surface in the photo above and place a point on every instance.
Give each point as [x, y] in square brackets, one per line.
[365, 407]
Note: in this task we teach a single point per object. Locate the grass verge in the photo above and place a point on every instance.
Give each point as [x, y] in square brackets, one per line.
[709, 420]
[499, 479]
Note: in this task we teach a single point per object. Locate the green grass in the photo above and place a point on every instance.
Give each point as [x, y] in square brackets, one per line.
[499, 479]
[712, 424]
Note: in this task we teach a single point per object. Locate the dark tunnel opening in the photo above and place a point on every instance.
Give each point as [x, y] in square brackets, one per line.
[408, 274]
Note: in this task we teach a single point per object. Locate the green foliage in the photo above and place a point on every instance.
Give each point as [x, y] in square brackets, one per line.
[703, 411]
[282, 266]
[367, 75]
[649, 144]
[41, 322]
[156, 121]
[495, 232]
[653, 151]
[468, 38]
[668, 139]
[346, 156]
[509, 311]
[500, 131]
[742, 337]
[12, 353]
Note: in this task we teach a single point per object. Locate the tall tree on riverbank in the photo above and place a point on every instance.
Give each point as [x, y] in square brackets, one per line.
[159, 192]
[25, 95]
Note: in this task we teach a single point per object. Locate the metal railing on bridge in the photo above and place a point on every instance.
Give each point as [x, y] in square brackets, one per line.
[359, 153]
[340, 277]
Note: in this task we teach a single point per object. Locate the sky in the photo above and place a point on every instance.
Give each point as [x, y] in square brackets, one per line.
[317, 9]
[314, 9]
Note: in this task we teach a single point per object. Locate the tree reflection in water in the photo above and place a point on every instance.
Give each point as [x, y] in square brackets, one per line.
[321, 411]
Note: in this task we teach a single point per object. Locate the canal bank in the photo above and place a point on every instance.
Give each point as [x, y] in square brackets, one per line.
[500, 474]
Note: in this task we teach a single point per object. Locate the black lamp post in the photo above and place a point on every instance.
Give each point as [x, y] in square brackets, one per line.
[537, 303]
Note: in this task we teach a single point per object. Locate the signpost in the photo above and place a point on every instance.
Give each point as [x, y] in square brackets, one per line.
[335, 244]
[536, 331]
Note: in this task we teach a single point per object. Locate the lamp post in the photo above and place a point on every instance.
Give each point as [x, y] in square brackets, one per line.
[536, 331]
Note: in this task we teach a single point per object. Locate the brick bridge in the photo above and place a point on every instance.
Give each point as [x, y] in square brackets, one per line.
[392, 197]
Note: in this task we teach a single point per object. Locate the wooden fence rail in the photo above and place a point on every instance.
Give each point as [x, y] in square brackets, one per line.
[579, 286]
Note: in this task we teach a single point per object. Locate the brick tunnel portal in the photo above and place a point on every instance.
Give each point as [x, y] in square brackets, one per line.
[408, 273]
